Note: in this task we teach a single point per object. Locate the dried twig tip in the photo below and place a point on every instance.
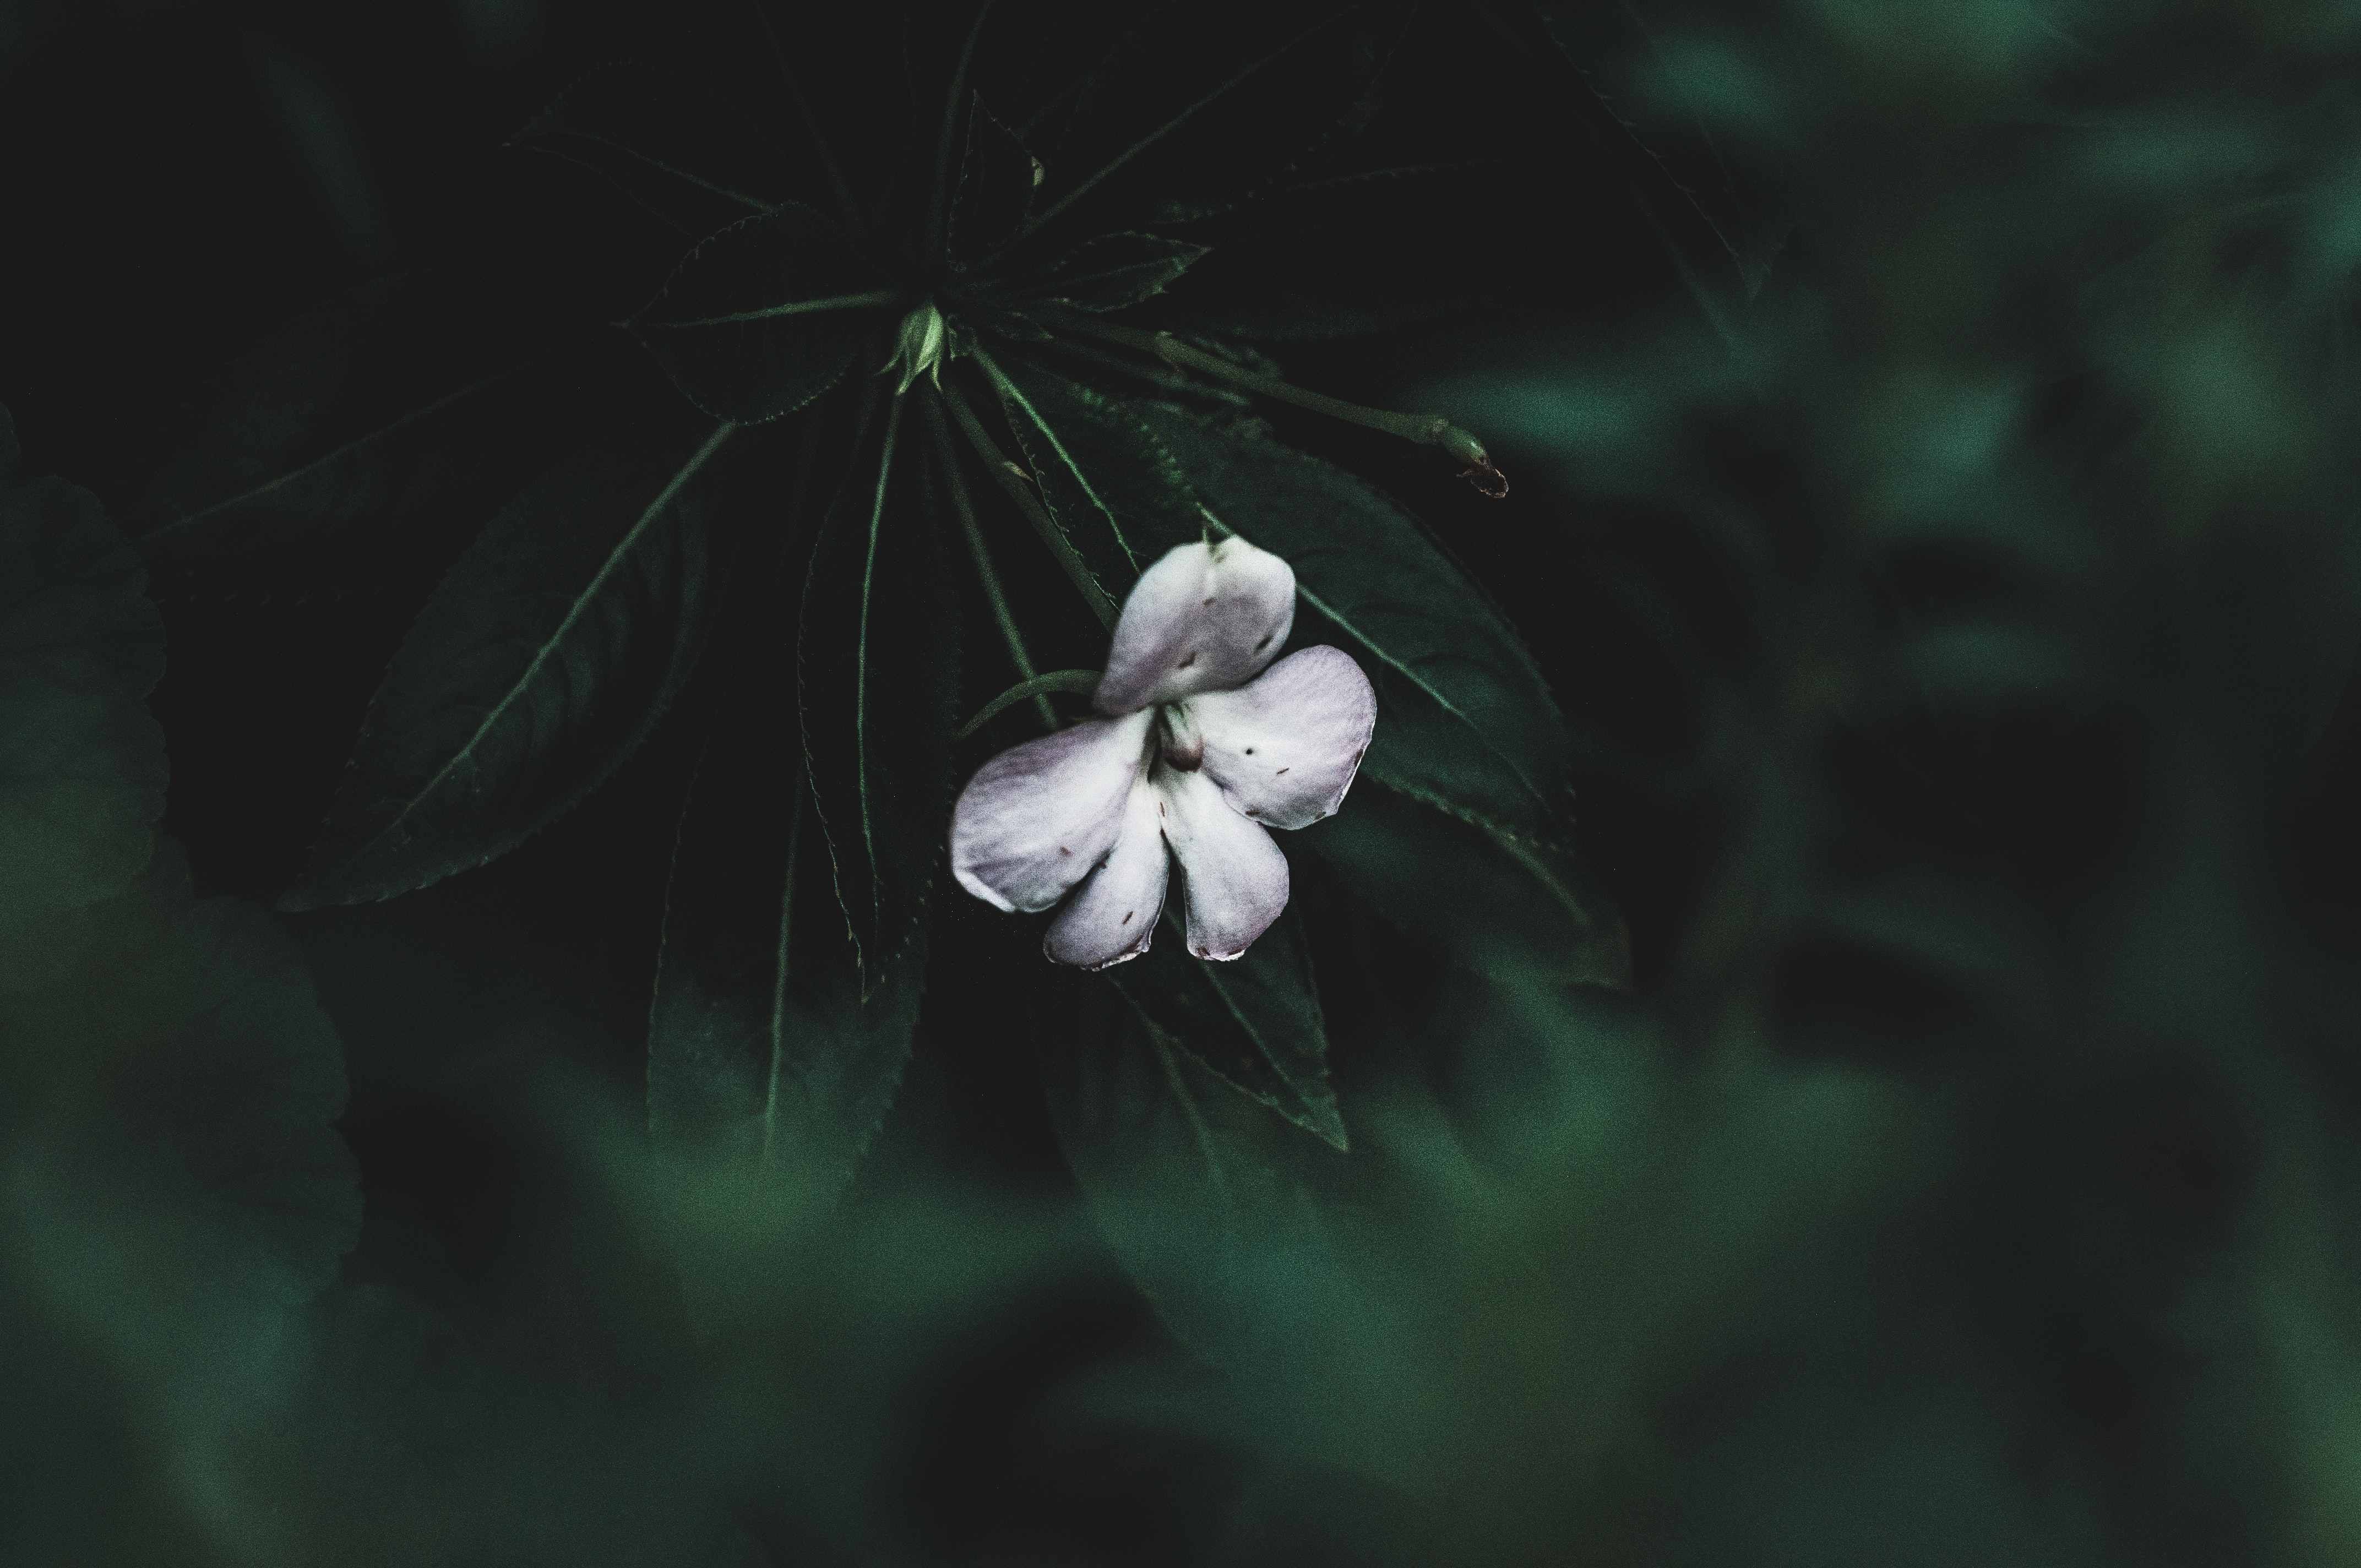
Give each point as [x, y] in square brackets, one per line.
[1488, 478]
[1480, 471]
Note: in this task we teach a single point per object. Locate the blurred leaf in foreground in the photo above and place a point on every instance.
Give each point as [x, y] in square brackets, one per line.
[172, 1191]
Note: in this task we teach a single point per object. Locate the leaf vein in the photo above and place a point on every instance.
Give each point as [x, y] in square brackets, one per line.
[344, 449]
[550, 646]
[861, 673]
[792, 308]
[1176, 121]
[1411, 672]
[659, 165]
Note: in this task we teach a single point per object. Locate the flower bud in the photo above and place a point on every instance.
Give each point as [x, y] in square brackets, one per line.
[918, 350]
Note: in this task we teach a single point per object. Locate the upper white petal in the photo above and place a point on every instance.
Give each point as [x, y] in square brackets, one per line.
[1205, 618]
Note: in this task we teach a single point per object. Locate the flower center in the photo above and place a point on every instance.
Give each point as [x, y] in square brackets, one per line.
[1177, 738]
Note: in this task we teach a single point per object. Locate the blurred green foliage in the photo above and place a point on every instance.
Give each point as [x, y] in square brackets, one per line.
[190, 1375]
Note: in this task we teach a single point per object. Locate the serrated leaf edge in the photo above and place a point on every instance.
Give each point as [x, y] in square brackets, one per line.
[1011, 394]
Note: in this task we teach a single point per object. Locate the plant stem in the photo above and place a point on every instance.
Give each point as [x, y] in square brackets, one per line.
[1008, 475]
[1159, 373]
[963, 504]
[1083, 680]
[1426, 429]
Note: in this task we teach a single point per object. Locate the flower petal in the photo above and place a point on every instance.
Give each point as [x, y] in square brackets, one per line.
[1113, 915]
[1036, 818]
[1205, 618]
[1284, 748]
[1236, 880]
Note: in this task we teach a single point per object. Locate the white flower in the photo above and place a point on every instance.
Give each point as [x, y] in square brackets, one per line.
[1202, 750]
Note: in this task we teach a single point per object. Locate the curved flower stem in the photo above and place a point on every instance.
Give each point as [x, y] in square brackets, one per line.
[828, 166]
[961, 503]
[1008, 476]
[1427, 429]
[1036, 688]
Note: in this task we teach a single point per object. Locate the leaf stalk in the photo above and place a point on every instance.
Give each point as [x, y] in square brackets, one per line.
[1036, 688]
[1432, 430]
[1008, 475]
[1013, 638]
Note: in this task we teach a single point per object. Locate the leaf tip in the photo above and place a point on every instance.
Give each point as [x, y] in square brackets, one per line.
[1321, 1117]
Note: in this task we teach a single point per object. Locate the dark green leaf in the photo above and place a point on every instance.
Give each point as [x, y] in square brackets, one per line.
[1015, 325]
[173, 1096]
[188, 1042]
[1495, 899]
[368, 433]
[1205, 1195]
[763, 317]
[176, 1192]
[761, 1050]
[1619, 60]
[669, 145]
[932, 39]
[1109, 484]
[1115, 270]
[1207, 104]
[1369, 251]
[996, 187]
[81, 764]
[539, 663]
[1254, 1023]
[878, 653]
[177, 1198]
[1035, 56]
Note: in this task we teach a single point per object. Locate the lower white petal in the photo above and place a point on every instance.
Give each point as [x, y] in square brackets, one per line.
[1236, 878]
[1036, 818]
[1112, 916]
